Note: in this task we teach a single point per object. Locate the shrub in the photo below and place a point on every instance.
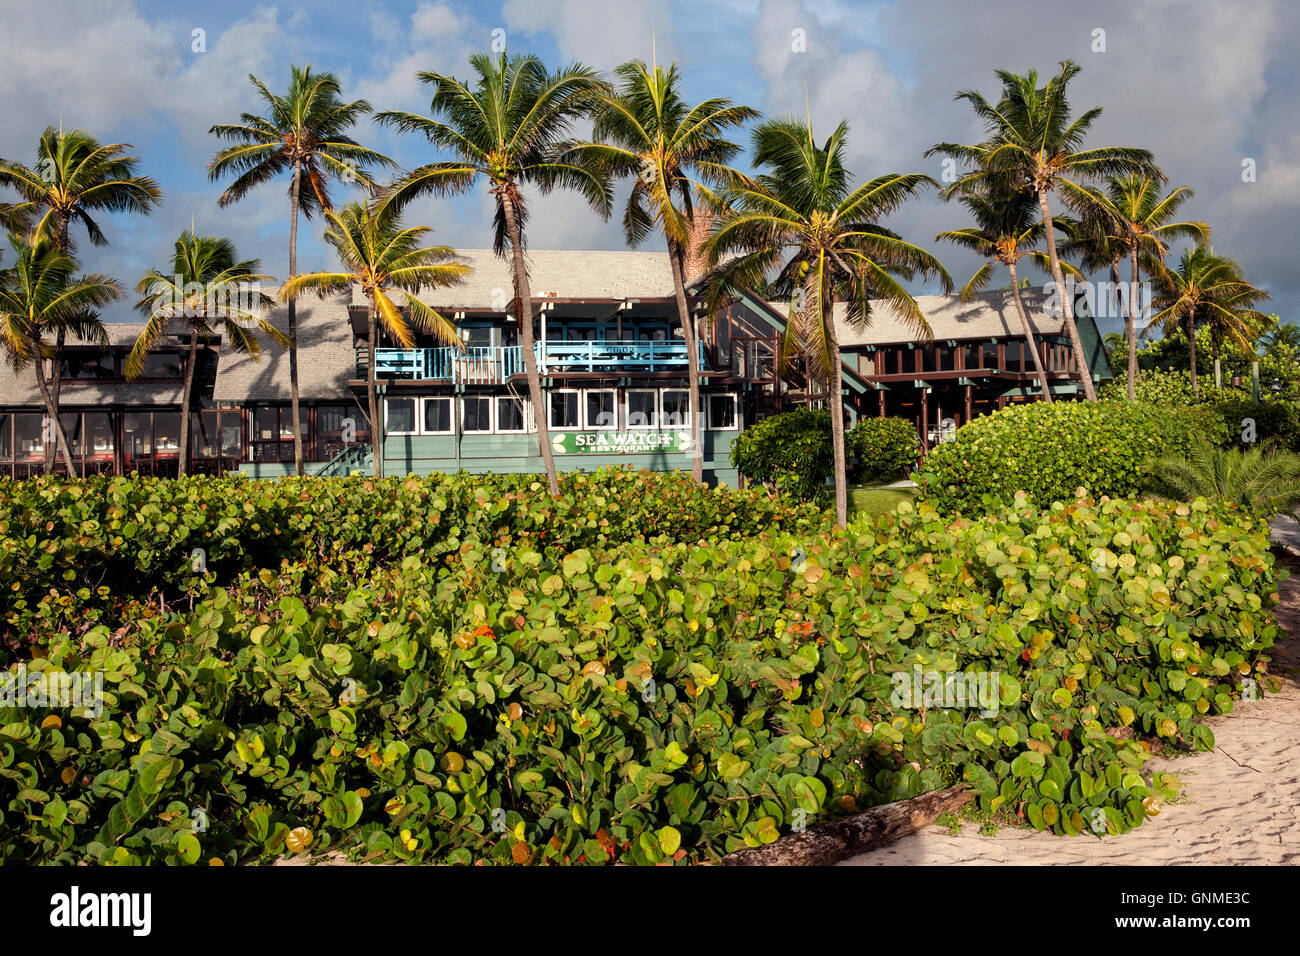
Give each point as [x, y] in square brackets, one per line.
[790, 452]
[651, 701]
[1048, 451]
[77, 553]
[1262, 481]
[886, 448]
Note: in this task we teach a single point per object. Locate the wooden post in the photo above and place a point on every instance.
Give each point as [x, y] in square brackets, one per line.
[881, 394]
[969, 403]
[925, 420]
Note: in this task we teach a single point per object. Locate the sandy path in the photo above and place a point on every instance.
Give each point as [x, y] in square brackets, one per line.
[1240, 802]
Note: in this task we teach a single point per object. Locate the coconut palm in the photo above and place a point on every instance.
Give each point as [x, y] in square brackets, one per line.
[1264, 481]
[1283, 340]
[509, 127]
[303, 134]
[74, 176]
[382, 257]
[1007, 229]
[673, 152]
[802, 219]
[1131, 219]
[1206, 289]
[208, 290]
[41, 294]
[1033, 144]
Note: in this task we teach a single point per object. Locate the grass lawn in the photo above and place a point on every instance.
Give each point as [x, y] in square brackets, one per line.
[876, 501]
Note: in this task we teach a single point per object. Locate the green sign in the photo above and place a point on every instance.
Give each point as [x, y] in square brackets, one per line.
[631, 442]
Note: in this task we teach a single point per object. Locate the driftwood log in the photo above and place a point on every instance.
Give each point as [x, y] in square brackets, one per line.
[841, 839]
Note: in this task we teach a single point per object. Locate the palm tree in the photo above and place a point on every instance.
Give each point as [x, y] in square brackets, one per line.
[1007, 228]
[382, 257]
[207, 286]
[510, 128]
[645, 130]
[802, 219]
[74, 175]
[1208, 289]
[1283, 340]
[1033, 143]
[1132, 219]
[302, 134]
[40, 293]
[1261, 480]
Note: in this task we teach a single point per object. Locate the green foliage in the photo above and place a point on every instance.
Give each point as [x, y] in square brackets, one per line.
[790, 452]
[640, 701]
[1264, 482]
[74, 554]
[1049, 451]
[886, 448]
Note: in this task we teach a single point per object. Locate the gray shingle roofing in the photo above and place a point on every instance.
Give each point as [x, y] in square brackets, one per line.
[19, 388]
[986, 315]
[556, 273]
[326, 357]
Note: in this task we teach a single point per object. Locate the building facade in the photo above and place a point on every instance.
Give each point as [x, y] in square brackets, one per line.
[613, 363]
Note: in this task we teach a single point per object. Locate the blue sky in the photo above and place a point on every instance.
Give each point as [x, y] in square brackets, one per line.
[1203, 84]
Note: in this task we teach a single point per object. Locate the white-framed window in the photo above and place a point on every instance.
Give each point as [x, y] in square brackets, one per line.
[400, 416]
[600, 409]
[675, 408]
[564, 409]
[476, 414]
[723, 413]
[642, 407]
[437, 412]
[512, 414]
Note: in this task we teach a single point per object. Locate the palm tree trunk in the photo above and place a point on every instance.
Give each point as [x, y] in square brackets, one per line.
[524, 314]
[293, 321]
[61, 439]
[1130, 325]
[837, 417]
[692, 362]
[1029, 334]
[376, 426]
[1191, 342]
[1067, 301]
[182, 466]
[1214, 351]
[56, 377]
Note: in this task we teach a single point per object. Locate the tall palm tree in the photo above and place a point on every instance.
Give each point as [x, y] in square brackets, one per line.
[1282, 339]
[383, 257]
[208, 291]
[1206, 289]
[74, 176]
[509, 126]
[646, 131]
[802, 219]
[1131, 218]
[1007, 229]
[1033, 143]
[41, 293]
[303, 134]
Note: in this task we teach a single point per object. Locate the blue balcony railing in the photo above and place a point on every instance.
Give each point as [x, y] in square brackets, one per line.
[487, 365]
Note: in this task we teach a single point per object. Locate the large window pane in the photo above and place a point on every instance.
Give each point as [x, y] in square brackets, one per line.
[676, 408]
[167, 434]
[88, 365]
[137, 434]
[162, 365]
[231, 439]
[722, 411]
[510, 414]
[478, 414]
[6, 437]
[266, 423]
[437, 415]
[564, 410]
[601, 410]
[401, 416]
[27, 436]
[642, 409]
[99, 435]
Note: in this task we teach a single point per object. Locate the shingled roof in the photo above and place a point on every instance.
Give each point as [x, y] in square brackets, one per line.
[19, 388]
[326, 357]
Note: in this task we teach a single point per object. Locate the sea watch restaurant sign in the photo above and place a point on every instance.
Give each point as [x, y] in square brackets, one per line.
[631, 442]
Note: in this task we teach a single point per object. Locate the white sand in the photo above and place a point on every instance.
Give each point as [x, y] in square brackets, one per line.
[1240, 802]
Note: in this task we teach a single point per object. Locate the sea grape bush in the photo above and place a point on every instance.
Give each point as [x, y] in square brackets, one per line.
[1048, 451]
[75, 553]
[647, 701]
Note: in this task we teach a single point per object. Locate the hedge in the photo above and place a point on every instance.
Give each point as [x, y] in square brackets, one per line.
[648, 701]
[886, 449]
[1049, 451]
